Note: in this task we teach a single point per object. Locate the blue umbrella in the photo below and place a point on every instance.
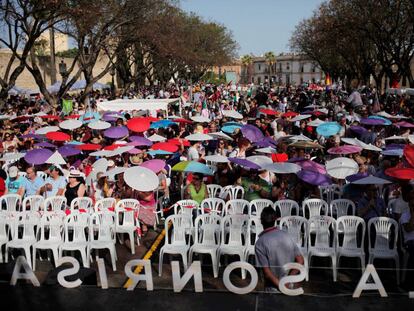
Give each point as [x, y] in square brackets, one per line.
[161, 124]
[193, 167]
[393, 152]
[229, 129]
[158, 152]
[89, 116]
[328, 129]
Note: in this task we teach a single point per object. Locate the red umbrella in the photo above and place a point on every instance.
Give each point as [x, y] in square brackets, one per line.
[181, 120]
[400, 172]
[279, 157]
[269, 112]
[316, 113]
[88, 147]
[73, 116]
[179, 141]
[51, 117]
[165, 146]
[58, 136]
[289, 114]
[409, 154]
[113, 146]
[150, 119]
[138, 125]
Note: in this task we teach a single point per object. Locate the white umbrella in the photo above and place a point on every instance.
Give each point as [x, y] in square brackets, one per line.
[141, 179]
[395, 137]
[200, 119]
[267, 150]
[157, 138]
[282, 168]
[300, 117]
[384, 114]
[323, 110]
[411, 139]
[371, 180]
[47, 129]
[300, 137]
[232, 114]
[70, 124]
[12, 156]
[99, 125]
[341, 168]
[372, 147]
[216, 158]
[99, 166]
[121, 150]
[56, 158]
[221, 135]
[354, 142]
[316, 122]
[115, 171]
[101, 153]
[260, 160]
[198, 137]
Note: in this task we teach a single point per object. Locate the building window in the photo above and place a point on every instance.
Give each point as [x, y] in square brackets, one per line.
[302, 68]
[313, 68]
[287, 66]
[280, 66]
[259, 80]
[252, 79]
[259, 67]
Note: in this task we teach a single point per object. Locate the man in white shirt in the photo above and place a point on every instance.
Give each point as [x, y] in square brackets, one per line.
[193, 154]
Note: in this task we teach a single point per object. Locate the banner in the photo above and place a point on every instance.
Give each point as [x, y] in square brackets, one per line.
[67, 106]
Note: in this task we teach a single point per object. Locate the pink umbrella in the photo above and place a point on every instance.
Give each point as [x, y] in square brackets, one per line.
[155, 165]
[346, 149]
[404, 124]
[312, 166]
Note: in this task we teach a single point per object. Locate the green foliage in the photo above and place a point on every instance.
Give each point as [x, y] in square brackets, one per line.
[213, 78]
[71, 53]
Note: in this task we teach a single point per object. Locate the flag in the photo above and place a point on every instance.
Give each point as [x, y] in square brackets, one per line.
[67, 106]
[328, 79]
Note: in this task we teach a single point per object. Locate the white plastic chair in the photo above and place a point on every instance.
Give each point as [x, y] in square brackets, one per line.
[330, 192]
[23, 174]
[314, 207]
[186, 207]
[102, 236]
[34, 202]
[212, 206]
[24, 239]
[236, 206]
[4, 235]
[353, 243]
[126, 220]
[55, 203]
[286, 208]
[297, 228]
[256, 206]
[382, 247]
[214, 190]
[325, 240]
[12, 202]
[254, 228]
[104, 204]
[206, 239]
[49, 236]
[74, 237]
[83, 203]
[232, 192]
[177, 243]
[41, 174]
[342, 207]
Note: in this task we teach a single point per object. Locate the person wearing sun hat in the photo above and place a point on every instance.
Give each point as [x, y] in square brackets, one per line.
[14, 183]
[76, 186]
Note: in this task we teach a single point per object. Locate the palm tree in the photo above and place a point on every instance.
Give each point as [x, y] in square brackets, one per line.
[247, 61]
[270, 59]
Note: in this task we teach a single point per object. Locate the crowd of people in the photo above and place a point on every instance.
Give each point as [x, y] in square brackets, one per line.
[281, 124]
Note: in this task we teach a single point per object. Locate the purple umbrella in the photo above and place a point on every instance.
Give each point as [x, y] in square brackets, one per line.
[140, 141]
[394, 146]
[296, 159]
[245, 163]
[45, 144]
[266, 142]
[134, 151]
[116, 132]
[358, 129]
[34, 136]
[370, 121]
[68, 151]
[355, 177]
[346, 149]
[252, 133]
[314, 178]
[155, 165]
[312, 166]
[38, 156]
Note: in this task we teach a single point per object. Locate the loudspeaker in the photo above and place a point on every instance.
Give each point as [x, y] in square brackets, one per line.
[86, 275]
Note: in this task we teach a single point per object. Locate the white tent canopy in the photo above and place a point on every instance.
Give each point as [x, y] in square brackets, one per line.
[136, 104]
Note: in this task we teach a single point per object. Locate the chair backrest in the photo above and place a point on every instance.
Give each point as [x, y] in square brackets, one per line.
[41, 174]
[386, 233]
[100, 229]
[232, 192]
[126, 212]
[314, 207]
[234, 224]
[297, 228]
[253, 235]
[75, 227]
[325, 232]
[330, 192]
[236, 206]
[12, 202]
[103, 204]
[128, 203]
[206, 228]
[52, 225]
[177, 226]
[212, 206]
[55, 203]
[24, 226]
[214, 190]
[353, 228]
[287, 207]
[256, 206]
[33, 203]
[84, 203]
[186, 207]
[342, 207]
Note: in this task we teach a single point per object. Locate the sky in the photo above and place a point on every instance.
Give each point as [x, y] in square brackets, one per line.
[258, 26]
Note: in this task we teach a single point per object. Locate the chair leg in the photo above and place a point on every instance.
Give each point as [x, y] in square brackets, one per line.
[28, 255]
[55, 255]
[335, 271]
[132, 242]
[34, 258]
[214, 263]
[160, 262]
[112, 252]
[184, 255]
[6, 255]
[190, 257]
[362, 263]
[85, 258]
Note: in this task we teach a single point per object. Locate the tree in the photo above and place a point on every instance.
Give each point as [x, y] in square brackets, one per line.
[270, 59]
[247, 62]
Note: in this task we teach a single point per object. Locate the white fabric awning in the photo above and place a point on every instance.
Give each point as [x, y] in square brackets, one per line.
[136, 104]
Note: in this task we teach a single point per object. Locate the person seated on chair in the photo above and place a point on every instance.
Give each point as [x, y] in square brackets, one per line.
[197, 189]
[32, 182]
[273, 249]
[55, 184]
[370, 205]
[76, 186]
[14, 183]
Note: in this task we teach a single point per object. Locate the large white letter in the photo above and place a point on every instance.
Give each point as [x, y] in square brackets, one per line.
[193, 270]
[26, 275]
[135, 278]
[292, 279]
[363, 285]
[240, 290]
[102, 273]
[67, 272]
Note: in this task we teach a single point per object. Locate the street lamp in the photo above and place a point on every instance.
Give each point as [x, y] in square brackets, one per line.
[112, 73]
[62, 69]
[191, 84]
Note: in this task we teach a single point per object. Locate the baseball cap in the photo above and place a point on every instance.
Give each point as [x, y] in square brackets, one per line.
[13, 171]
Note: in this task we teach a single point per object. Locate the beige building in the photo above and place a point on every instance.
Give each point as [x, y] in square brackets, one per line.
[61, 42]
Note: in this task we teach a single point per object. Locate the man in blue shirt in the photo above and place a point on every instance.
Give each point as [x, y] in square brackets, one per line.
[55, 184]
[32, 182]
[371, 205]
[14, 183]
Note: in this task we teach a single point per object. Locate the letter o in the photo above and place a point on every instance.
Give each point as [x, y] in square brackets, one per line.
[240, 290]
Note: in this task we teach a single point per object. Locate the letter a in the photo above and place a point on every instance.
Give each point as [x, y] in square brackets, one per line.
[363, 285]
